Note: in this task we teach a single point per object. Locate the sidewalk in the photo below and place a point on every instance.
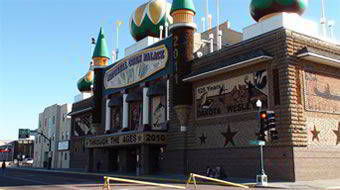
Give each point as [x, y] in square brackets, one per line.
[315, 184]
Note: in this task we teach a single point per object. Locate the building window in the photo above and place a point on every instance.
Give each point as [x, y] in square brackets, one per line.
[158, 113]
[276, 87]
[116, 117]
[53, 120]
[136, 115]
[45, 122]
[66, 135]
[65, 156]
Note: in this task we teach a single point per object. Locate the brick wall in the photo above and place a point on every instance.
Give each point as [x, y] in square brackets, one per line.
[319, 155]
[296, 153]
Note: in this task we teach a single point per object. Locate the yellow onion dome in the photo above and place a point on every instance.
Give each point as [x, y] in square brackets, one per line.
[84, 83]
[146, 19]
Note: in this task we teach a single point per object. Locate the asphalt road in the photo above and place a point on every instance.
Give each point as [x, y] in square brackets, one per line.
[33, 179]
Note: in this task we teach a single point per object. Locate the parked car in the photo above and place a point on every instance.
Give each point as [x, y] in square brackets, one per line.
[28, 162]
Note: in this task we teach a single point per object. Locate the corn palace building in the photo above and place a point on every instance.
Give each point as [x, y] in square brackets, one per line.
[161, 109]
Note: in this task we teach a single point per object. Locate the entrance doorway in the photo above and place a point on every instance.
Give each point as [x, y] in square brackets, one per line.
[131, 160]
[113, 160]
[156, 156]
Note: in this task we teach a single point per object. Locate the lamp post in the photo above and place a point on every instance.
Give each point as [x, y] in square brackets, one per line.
[261, 180]
[49, 149]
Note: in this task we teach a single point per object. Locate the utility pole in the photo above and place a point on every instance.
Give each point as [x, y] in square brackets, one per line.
[323, 19]
[49, 149]
[118, 23]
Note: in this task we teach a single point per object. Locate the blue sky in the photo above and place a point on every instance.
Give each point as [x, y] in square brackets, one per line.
[45, 48]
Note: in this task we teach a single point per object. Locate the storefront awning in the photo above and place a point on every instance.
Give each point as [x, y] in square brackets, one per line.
[134, 96]
[157, 90]
[79, 111]
[116, 101]
[314, 55]
[236, 62]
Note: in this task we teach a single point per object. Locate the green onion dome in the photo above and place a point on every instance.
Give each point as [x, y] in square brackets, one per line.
[262, 8]
[146, 19]
[85, 82]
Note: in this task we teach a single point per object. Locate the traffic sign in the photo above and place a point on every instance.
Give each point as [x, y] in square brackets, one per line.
[257, 142]
[24, 133]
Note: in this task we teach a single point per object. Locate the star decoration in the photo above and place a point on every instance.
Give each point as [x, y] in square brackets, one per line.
[315, 134]
[337, 133]
[202, 138]
[229, 137]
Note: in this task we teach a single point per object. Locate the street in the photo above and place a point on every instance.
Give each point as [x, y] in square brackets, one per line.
[55, 180]
[33, 179]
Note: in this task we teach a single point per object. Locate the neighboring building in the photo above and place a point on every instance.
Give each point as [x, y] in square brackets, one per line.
[6, 150]
[16, 150]
[164, 110]
[50, 122]
[23, 149]
[64, 137]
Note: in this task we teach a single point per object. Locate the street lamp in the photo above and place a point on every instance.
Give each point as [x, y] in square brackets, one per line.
[261, 179]
[49, 148]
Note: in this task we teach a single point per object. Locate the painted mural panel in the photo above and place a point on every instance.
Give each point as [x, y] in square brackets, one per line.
[232, 96]
[82, 126]
[116, 118]
[158, 113]
[322, 92]
[135, 115]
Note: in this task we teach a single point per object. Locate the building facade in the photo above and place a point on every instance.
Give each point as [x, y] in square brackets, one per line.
[50, 145]
[168, 109]
[64, 137]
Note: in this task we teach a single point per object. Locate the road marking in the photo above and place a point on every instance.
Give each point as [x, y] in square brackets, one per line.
[40, 182]
[23, 179]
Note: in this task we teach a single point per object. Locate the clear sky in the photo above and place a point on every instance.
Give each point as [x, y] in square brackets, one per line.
[45, 48]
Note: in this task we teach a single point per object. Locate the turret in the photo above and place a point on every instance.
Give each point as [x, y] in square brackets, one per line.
[101, 53]
[182, 29]
[261, 10]
[100, 61]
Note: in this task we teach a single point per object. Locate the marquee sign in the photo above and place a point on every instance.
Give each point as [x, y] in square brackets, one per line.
[232, 96]
[136, 67]
[126, 139]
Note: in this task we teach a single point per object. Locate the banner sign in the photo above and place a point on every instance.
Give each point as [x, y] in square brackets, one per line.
[136, 67]
[126, 139]
[232, 96]
[63, 145]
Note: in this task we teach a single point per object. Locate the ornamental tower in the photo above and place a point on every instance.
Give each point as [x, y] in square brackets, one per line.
[100, 60]
[183, 28]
